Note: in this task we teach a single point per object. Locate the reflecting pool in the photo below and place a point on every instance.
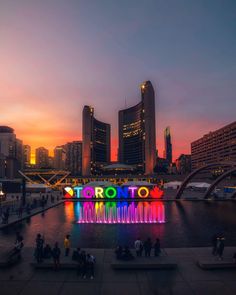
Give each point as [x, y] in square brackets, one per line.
[106, 224]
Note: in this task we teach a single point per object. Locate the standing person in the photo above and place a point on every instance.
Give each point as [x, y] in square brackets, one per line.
[147, 247]
[118, 252]
[67, 245]
[56, 253]
[19, 242]
[39, 248]
[90, 264]
[138, 245]
[214, 244]
[157, 247]
[79, 259]
[47, 252]
[220, 247]
[83, 264]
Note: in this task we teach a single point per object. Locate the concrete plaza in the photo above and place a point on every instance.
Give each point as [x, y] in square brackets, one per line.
[187, 279]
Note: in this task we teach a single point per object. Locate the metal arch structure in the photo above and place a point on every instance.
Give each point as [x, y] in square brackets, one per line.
[51, 178]
[214, 184]
[192, 174]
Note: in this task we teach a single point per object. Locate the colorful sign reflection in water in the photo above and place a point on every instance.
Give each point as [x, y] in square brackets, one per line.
[120, 212]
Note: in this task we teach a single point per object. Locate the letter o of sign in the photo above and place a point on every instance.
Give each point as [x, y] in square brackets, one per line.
[140, 194]
[110, 192]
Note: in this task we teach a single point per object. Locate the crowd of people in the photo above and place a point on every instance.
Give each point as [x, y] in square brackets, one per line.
[85, 261]
[124, 253]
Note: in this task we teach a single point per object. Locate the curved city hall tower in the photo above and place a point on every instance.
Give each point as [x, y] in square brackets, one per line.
[137, 132]
[96, 143]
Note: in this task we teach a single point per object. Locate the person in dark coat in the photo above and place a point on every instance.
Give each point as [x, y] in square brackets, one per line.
[147, 247]
[118, 252]
[220, 247]
[39, 248]
[84, 264]
[47, 252]
[157, 247]
[56, 253]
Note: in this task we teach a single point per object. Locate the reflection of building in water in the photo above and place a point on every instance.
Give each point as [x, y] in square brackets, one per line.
[120, 212]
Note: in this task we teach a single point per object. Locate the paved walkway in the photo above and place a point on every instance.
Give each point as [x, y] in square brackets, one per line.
[187, 279]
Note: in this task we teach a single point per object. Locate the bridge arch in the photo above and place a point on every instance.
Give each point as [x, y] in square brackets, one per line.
[192, 174]
[214, 184]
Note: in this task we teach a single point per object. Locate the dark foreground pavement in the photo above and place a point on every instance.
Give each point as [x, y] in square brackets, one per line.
[187, 279]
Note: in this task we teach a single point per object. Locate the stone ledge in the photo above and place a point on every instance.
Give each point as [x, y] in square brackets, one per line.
[213, 264]
[143, 265]
[50, 265]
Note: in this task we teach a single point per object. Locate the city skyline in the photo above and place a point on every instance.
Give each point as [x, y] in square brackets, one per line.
[56, 58]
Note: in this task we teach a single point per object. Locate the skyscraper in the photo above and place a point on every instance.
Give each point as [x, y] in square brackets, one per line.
[214, 147]
[11, 149]
[7, 141]
[183, 164]
[26, 155]
[168, 145]
[96, 143]
[73, 161]
[137, 132]
[59, 158]
[42, 160]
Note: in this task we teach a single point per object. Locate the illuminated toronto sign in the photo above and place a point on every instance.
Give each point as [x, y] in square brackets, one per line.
[112, 192]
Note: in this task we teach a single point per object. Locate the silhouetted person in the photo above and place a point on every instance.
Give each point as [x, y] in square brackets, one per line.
[118, 252]
[67, 245]
[5, 217]
[47, 252]
[56, 253]
[75, 254]
[19, 242]
[127, 255]
[39, 248]
[83, 264]
[220, 247]
[157, 247]
[147, 247]
[138, 245]
[90, 265]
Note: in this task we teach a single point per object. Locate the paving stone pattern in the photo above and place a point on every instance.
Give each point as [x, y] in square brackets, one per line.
[187, 279]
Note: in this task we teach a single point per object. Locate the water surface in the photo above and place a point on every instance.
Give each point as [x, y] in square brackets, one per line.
[104, 225]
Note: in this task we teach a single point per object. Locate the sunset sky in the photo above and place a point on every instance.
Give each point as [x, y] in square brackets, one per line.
[56, 56]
